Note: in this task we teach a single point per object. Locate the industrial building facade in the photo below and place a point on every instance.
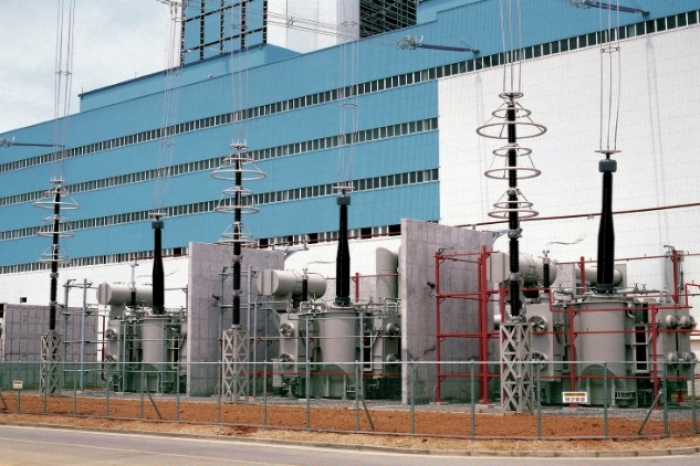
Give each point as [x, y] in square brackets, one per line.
[415, 154]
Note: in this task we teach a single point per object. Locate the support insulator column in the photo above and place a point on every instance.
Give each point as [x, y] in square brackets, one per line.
[606, 231]
[513, 217]
[158, 274]
[342, 265]
[54, 260]
[516, 350]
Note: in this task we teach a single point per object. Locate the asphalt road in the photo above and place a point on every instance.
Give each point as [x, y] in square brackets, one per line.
[33, 446]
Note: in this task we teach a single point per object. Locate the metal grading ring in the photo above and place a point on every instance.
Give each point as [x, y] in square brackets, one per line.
[608, 151]
[227, 202]
[48, 256]
[502, 112]
[503, 151]
[523, 173]
[47, 228]
[536, 129]
[48, 200]
[506, 205]
[236, 163]
[522, 213]
[245, 238]
[511, 96]
[229, 208]
[239, 146]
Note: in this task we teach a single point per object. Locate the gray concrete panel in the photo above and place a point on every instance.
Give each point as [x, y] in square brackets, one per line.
[209, 301]
[420, 243]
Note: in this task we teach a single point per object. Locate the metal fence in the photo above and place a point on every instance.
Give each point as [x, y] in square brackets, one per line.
[393, 399]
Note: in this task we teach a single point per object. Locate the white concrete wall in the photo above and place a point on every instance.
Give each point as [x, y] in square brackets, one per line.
[206, 319]
[320, 259]
[658, 166]
[308, 25]
[35, 286]
[421, 241]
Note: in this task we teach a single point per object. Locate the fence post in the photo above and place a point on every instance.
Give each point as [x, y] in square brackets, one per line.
[75, 393]
[264, 423]
[108, 381]
[605, 399]
[357, 399]
[177, 391]
[412, 395]
[143, 377]
[693, 394]
[472, 405]
[665, 397]
[218, 394]
[538, 399]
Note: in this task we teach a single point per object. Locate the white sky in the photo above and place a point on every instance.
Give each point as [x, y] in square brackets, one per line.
[115, 40]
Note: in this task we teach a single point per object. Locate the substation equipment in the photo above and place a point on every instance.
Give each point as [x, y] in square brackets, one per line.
[145, 349]
[335, 350]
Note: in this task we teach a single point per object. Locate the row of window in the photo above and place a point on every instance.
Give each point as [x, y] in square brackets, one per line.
[309, 192]
[368, 135]
[585, 40]
[95, 260]
[330, 142]
[310, 238]
[321, 237]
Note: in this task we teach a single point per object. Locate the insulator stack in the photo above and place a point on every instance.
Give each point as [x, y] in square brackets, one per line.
[158, 270]
[55, 226]
[342, 262]
[606, 232]
[237, 168]
[512, 163]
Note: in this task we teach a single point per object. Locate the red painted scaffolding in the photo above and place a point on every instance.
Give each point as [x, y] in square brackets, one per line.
[488, 298]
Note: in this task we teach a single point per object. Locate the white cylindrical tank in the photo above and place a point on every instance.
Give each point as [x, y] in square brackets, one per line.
[282, 284]
[600, 344]
[338, 337]
[592, 275]
[153, 338]
[387, 264]
[119, 294]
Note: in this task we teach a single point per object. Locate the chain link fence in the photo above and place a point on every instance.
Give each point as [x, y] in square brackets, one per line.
[395, 399]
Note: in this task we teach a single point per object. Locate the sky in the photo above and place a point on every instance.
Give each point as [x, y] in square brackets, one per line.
[115, 40]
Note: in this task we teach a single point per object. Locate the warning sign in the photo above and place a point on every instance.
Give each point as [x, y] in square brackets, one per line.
[17, 385]
[575, 397]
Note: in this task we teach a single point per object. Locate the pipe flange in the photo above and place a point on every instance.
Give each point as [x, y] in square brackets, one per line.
[286, 330]
[537, 323]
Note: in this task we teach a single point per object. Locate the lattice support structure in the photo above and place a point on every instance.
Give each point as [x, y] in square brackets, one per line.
[517, 389]
[234, 365]
[50, 370]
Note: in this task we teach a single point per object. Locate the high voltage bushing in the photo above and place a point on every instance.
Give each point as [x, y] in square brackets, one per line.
[158, 272]
[237, 168]
[606, 231]
[342, 264]
[510, 122]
